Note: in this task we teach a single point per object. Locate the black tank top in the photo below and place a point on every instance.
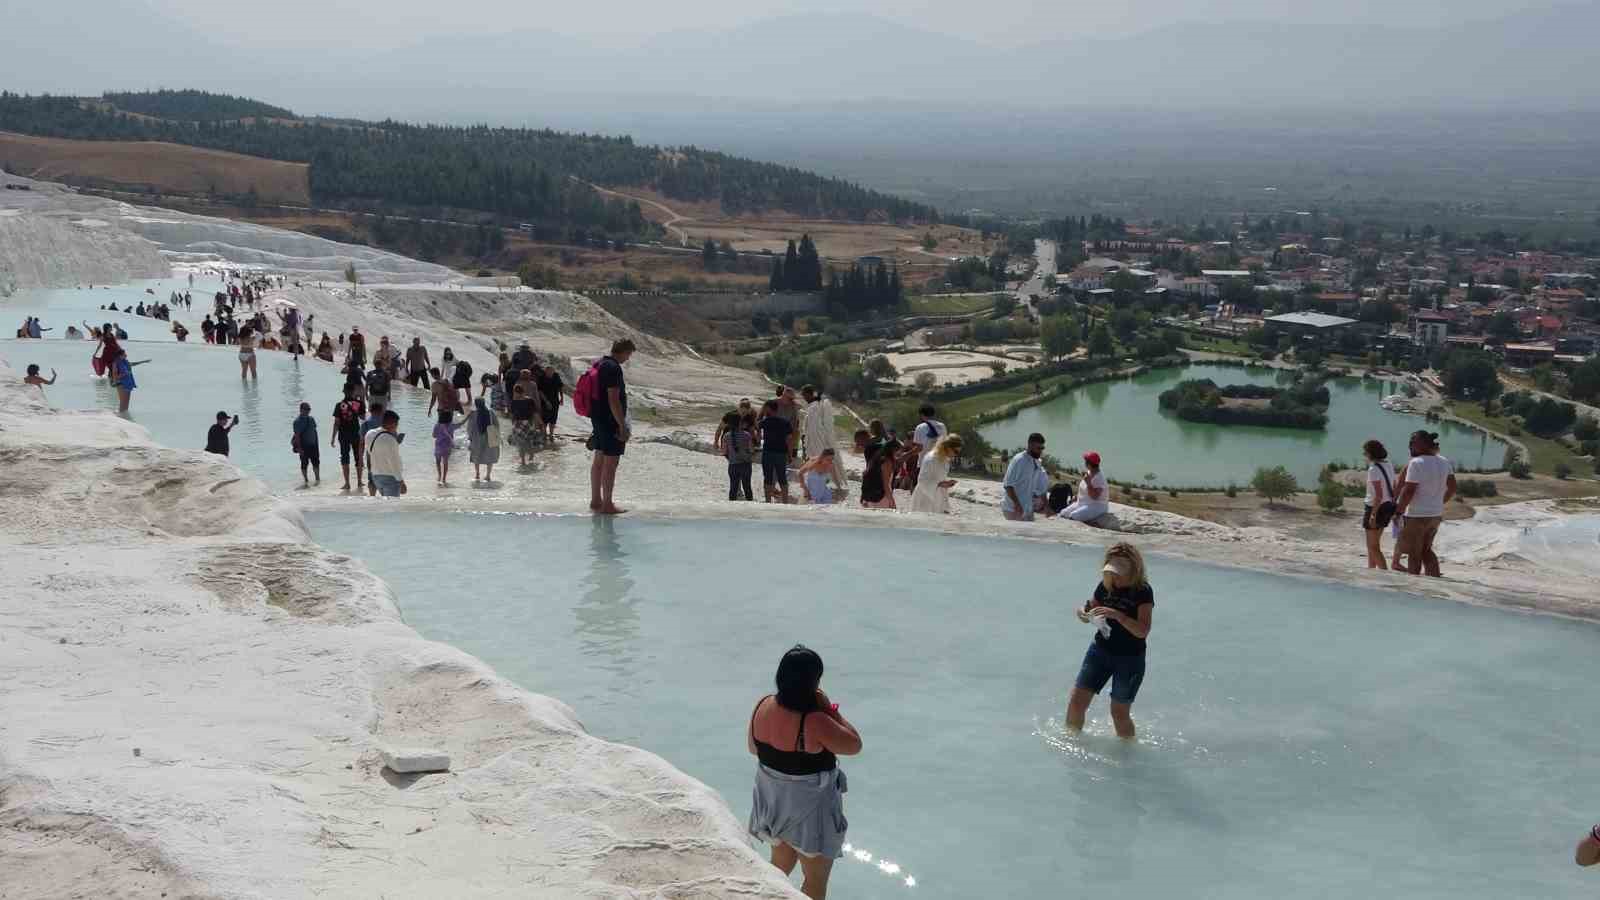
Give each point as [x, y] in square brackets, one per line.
[791, 762]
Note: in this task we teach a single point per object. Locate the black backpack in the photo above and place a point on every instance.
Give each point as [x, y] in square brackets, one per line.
[378, 382]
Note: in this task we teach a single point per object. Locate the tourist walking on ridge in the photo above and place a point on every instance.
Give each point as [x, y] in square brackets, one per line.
[609, 415]
[1094, 496]
[738, 447]
[417, 364]
[483, 440]
[1397, 526]
[550, 399]
[797, 735]
[304, 443]
[378, 384]
[932, 493]
[461, 380]
[522, 423]
[1429, 485]
[217, 436]
[347, 416]
[789, 408]
[777, 437]
[371, 423]
[444, 441]
[817, 433]
[1026, 484]
[383, 456]
[1121, 610]
[879, 450]
[33, 377]
[923, 437]
[1380, 502]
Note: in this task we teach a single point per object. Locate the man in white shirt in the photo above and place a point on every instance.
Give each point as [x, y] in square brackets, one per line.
[383, 457]
[817, 432]
[1026, 483]
[923, 437]
[1430, 484]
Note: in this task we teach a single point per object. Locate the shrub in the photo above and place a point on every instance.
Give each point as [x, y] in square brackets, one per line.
[1514, 431]
[1330, 496]
[1586, 429]
[1476, 487]
[1171, 492]
[1232, 491]
[1520, 469]
[1563, 471]
[1276, 483]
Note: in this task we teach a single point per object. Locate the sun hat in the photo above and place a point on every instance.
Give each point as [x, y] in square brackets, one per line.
[1116, 566]
[1092, 458]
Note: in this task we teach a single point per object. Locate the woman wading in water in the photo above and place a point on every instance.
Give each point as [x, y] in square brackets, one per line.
[1121, 609]
[798, 804]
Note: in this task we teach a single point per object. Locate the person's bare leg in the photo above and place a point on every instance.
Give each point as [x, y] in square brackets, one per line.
[346, 468]
[596, 475]
[608, 486]
[784, 857]
[123, 396]
[1122, 719]
[488, 472]
[1078, 708]
[816, 870]
[1375, 558]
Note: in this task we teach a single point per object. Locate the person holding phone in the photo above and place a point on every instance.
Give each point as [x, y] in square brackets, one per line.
[1122, 610]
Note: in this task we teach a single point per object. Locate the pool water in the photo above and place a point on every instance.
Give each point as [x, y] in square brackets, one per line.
[1297, 738]
[184, 385]
[1122, 420]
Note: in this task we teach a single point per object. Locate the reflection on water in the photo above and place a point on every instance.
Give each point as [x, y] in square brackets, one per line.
[607, 620]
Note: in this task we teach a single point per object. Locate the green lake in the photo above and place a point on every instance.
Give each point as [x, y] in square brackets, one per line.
[1123, 422]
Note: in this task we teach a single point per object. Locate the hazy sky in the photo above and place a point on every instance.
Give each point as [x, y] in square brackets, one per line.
[388, 23]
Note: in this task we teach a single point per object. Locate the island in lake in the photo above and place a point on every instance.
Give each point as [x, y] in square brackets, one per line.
[1302, 405]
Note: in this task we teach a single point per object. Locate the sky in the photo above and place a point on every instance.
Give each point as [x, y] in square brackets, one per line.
[371, 24]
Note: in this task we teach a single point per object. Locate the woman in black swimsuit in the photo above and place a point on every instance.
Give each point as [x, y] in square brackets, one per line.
[798, 803]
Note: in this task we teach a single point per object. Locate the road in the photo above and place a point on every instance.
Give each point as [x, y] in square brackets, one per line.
[1044, 253]
[672, 215]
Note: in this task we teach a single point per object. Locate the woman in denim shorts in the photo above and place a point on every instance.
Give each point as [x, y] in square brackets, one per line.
[1121, 610]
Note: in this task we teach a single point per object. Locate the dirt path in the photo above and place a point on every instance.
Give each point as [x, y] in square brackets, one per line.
[672, 215]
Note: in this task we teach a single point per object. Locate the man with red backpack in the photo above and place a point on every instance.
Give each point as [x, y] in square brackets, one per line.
[601, 394]
[347, 416]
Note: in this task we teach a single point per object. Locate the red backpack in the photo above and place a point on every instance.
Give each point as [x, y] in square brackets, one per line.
[586, 393]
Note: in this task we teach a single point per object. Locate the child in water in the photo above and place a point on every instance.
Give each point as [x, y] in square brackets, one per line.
[1121, 611]
[444, 440]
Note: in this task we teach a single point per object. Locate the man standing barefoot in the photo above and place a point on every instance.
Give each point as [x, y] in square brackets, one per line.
[610, 419]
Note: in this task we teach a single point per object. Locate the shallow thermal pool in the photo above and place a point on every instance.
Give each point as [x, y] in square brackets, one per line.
[184, 385]
[1298, 739]
[1123, 421]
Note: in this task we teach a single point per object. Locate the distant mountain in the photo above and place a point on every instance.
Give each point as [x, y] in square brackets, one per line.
[1543, 57]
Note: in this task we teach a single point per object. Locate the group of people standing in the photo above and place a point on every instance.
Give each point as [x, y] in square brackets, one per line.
[1410, 502]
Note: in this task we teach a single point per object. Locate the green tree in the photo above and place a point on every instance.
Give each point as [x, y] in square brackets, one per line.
[1004, 305]
[1584, 382]
[880, 368]
[1471, 375]
[1100, 343]
[929, 242]
[1275, 483]
[1503, 325]
[1058, 336]
[708, 255]
[350, 274]
[925, 382]
[1330, 495]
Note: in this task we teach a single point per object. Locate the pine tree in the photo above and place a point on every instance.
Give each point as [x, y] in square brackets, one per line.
[776, 282]
[791, 269]
[810, 266]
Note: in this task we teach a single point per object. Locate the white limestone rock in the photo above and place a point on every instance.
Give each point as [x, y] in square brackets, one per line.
[411, 760]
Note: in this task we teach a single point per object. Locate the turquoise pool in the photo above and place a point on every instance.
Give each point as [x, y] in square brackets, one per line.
[1298, 739]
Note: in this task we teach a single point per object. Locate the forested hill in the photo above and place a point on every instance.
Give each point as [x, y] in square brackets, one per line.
[516, 173]
[194, 106]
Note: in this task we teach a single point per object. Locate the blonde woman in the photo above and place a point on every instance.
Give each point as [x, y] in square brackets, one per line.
[932, 494]
[1121, 611]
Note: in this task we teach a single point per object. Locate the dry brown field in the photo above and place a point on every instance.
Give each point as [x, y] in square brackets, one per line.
[151, 165]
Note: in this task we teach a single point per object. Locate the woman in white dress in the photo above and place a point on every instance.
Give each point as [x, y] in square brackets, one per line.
[933, 484]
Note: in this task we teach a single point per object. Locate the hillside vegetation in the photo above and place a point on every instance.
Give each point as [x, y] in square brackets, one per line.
[530, 175]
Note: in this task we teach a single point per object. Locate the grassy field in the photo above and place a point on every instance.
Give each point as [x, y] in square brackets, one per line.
[153, 165]
[1545, 453]
[949, 304]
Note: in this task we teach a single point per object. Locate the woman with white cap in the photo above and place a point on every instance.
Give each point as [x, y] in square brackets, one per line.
[1121, 610]
[1094, 499]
